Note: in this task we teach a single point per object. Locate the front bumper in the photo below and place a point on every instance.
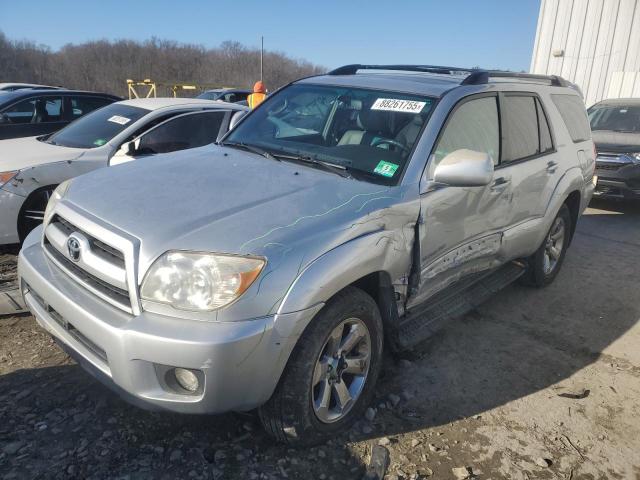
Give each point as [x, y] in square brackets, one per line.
[10, 205]
[620, 181]
[241, 362]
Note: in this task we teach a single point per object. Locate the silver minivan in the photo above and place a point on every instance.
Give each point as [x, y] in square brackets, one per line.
[349, 213]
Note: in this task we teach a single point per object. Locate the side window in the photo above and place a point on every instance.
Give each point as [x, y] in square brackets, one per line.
[35, 110]
[473, 126]
[183, 132]
[521, 138]
[546, 144]
[82, 105]
[230, 97]
[574, 114]
[21, 112]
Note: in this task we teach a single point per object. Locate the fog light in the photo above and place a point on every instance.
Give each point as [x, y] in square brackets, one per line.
[186, 379]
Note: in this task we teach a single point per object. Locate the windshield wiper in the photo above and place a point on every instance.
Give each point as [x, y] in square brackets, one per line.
[250, 148]
[327, 166]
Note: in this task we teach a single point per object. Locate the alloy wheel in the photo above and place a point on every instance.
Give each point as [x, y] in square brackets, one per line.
[341, 370]
[554, 244]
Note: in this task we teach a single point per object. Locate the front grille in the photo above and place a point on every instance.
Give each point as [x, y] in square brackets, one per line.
[101, 268]
[106, 251]
[117, 294]
[608, 166]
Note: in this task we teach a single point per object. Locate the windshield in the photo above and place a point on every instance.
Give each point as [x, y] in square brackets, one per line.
[210, 95]
[617, 118]
[370, 133]
[98, 127]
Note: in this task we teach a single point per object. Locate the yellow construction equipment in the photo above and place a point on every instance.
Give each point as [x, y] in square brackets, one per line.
[148, 84]
[150, 89]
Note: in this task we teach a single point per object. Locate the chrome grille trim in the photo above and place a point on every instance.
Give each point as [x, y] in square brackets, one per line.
[92, 262]
[112, 255]
[114, 295]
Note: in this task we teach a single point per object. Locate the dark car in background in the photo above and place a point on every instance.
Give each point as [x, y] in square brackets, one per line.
[32, 112]
[231, 95]
[615, 124]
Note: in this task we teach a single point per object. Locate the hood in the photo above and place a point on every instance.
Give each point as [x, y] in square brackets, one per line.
[224, 200]
[20, 153]
[616, 142]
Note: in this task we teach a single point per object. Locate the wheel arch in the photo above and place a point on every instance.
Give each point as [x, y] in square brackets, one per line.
[573, 202]
[25, 205]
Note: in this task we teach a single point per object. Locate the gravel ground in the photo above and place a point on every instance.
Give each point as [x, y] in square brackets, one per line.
[533, 384]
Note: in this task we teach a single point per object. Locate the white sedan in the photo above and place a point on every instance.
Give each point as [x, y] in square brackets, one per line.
[30, 168]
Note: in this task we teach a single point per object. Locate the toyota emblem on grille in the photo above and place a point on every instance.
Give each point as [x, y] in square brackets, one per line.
[73, 247]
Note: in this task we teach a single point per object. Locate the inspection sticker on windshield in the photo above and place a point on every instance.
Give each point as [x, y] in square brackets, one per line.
[393, 105]
[119, 120]
[386, 169]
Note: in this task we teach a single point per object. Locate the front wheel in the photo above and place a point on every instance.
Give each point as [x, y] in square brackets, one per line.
[331, 374]
[32, 211]
[545, 264]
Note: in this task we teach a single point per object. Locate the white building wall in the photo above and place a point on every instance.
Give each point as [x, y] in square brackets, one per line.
[593, 43]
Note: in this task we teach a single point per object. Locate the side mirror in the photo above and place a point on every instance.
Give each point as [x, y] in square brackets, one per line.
[465, 168]
[235, 118]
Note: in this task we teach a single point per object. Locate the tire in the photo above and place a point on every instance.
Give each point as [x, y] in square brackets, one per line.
[296, 412]
[32, 212]
[544, 265]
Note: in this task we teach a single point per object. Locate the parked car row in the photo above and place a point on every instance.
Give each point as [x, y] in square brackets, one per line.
[32, 167]
[349, 213]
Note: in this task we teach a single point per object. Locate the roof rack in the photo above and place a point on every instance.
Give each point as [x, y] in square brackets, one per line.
[474, 76]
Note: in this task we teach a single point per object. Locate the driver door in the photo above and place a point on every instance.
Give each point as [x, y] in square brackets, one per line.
[462, 226]
[182, 132]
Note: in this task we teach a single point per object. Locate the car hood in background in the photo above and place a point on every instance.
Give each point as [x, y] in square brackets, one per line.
[21, 153]
[616, 142]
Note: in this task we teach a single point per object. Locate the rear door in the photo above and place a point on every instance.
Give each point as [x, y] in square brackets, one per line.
[189, 130]
[530, 161]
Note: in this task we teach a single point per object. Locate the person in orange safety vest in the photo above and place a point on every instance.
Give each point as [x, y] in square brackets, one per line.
[258, 95]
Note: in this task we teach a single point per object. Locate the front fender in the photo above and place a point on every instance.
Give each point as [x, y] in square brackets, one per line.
[382, 250]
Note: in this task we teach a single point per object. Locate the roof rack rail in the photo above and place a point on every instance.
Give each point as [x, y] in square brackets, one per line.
[353, 68]
[480, 77]
[474, 76]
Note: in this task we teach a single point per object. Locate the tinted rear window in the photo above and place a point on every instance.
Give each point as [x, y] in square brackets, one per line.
[574, 114]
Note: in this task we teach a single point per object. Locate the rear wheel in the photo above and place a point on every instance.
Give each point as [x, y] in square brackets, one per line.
[32, 211]
[545, 264]
[330, 377]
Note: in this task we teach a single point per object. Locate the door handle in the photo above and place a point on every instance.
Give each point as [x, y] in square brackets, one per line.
[552, 166]
[500, 184]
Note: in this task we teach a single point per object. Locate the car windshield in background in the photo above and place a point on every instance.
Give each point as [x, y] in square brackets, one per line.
[368, 133]
[210, 95]
[616, 118]
[98, 127]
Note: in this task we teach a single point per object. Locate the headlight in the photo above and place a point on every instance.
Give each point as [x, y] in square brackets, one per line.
[56, 196]
[199, 281]
[635, 157]
[5, 177]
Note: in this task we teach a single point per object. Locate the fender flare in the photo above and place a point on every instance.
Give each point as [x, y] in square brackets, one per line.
[342, 266]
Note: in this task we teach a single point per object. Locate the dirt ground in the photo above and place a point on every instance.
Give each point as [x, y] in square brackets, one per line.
[533, 384]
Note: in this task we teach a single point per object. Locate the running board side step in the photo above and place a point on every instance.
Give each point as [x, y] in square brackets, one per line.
[453, 302]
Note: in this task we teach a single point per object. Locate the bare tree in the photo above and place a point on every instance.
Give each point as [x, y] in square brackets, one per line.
[104, 65]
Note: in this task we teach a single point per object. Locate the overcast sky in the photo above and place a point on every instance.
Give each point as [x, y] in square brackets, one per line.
[490, 33]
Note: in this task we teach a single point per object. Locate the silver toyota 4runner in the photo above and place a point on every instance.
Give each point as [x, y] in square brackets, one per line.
[350, 212]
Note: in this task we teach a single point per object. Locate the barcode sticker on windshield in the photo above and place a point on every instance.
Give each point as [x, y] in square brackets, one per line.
[119, 120]
[394, 105]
